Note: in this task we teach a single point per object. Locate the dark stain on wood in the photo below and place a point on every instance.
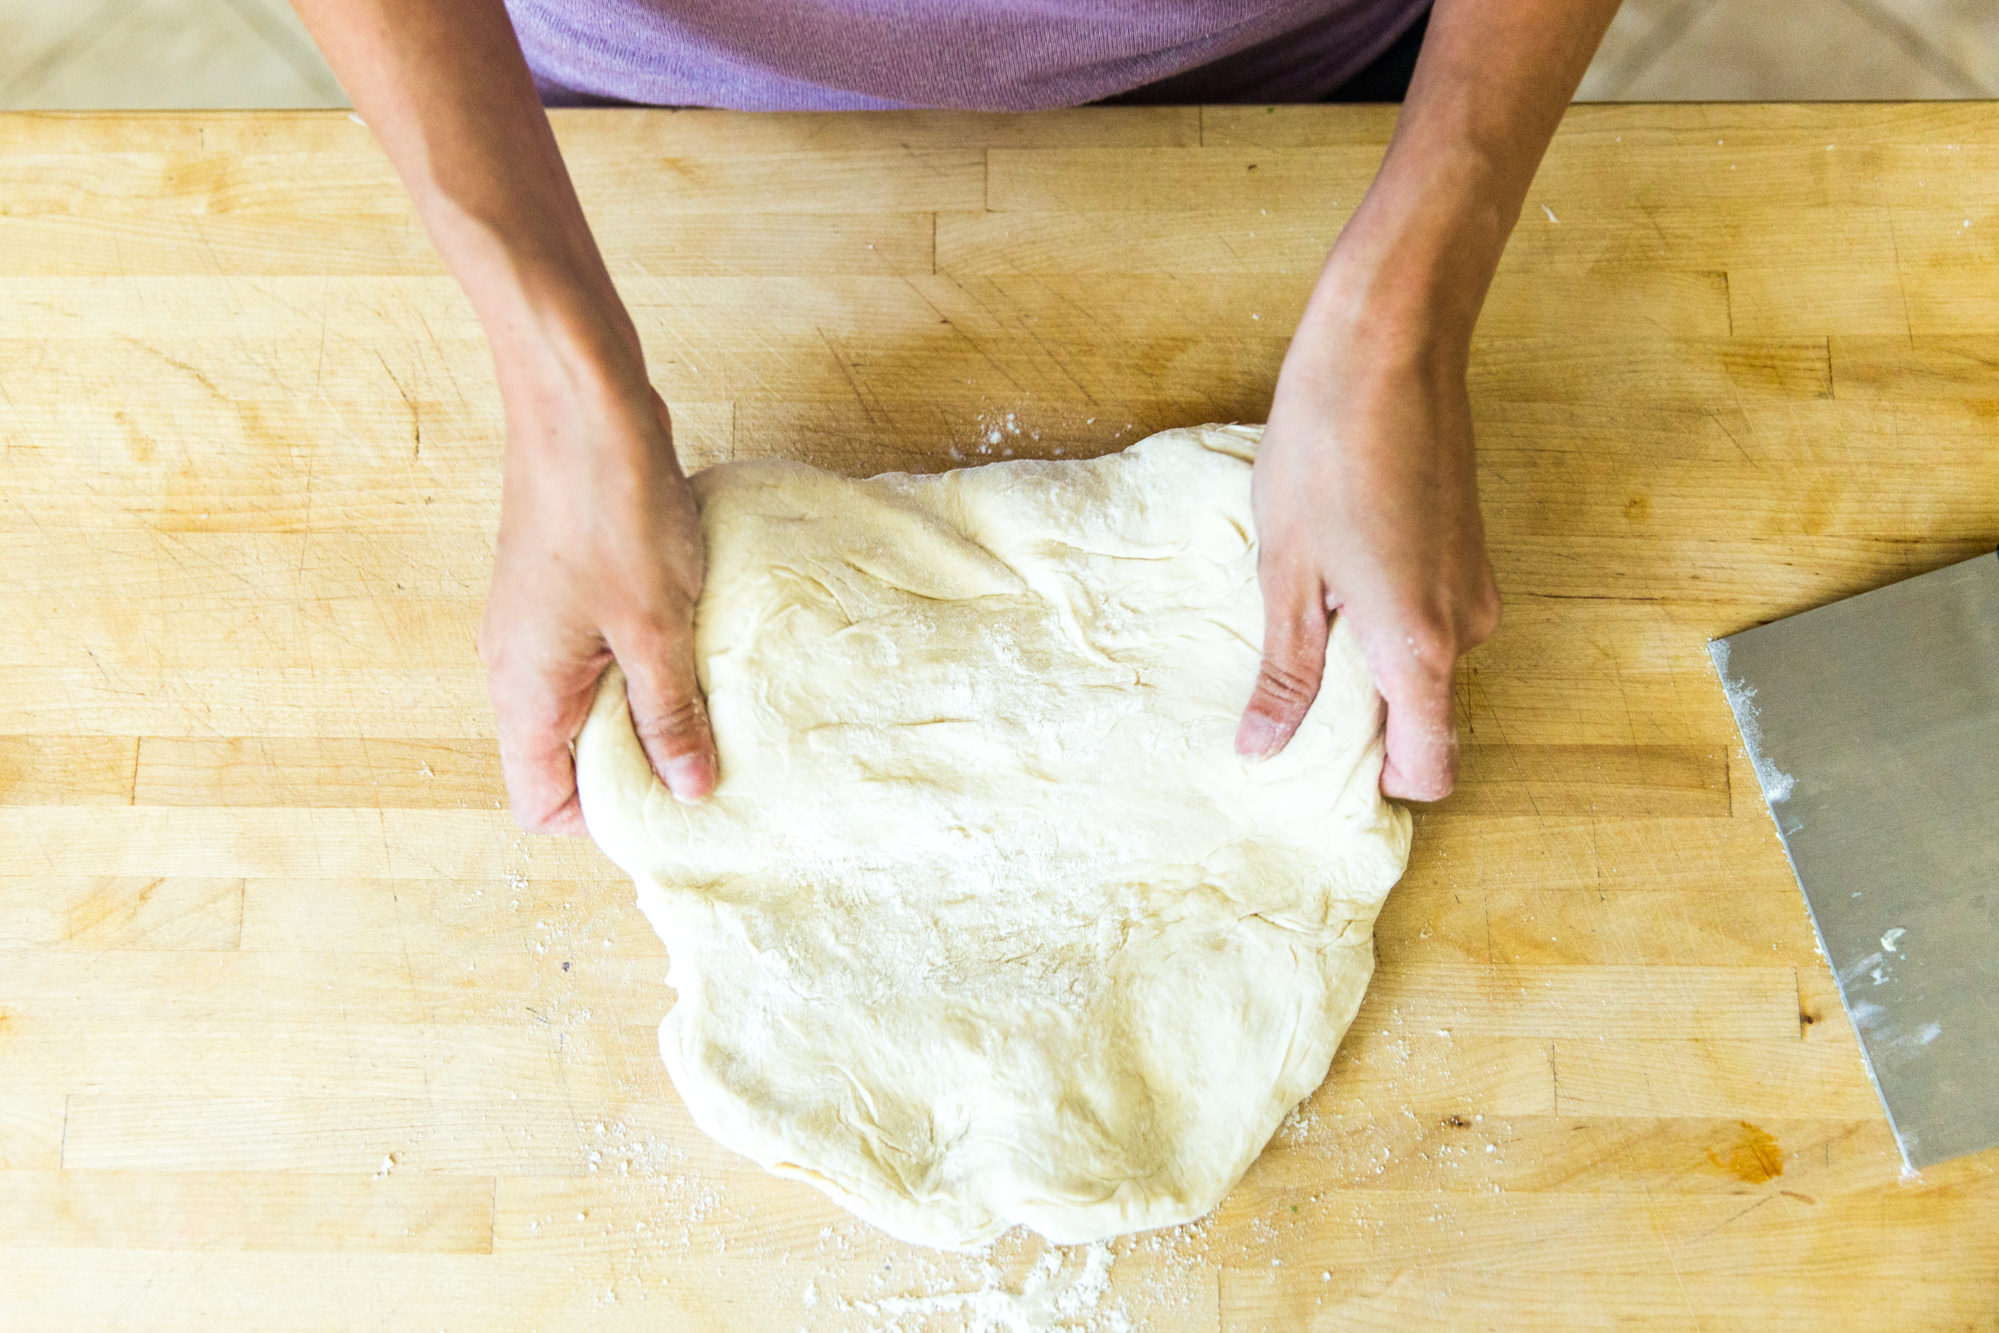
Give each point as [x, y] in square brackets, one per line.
[1755, 1156]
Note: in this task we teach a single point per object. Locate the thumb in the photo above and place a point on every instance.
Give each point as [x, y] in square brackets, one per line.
[1295, 625]
[667, 710]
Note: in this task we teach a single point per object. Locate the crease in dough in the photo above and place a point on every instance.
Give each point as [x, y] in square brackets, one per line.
[986, 924]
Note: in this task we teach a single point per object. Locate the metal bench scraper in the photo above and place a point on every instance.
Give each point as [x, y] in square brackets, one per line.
[1873, 724]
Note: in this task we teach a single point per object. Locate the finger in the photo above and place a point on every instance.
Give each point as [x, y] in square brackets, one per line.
[536, 722]
[1295, 626]
[1422, 737]
[668, 712]
[541, 787]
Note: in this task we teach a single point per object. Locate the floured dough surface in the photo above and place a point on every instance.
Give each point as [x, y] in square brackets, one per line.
[986, 923]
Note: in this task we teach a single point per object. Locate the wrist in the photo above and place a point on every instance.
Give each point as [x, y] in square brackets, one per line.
[564, 357]
[566, 333]
[1389, 318]
[1413, 264]
[561, 339]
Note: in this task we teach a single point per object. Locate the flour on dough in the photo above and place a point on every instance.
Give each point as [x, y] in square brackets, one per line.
[986, 923]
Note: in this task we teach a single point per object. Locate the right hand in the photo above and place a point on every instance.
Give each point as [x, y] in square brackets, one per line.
[1366, 500]
[599, 557]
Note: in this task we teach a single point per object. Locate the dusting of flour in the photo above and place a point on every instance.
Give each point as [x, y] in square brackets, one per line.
[1063, 1290]
[1776, 783]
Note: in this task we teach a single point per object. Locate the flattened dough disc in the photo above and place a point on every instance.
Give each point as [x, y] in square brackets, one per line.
[986, 923]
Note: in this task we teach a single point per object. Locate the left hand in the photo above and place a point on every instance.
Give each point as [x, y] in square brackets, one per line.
[1366, 503]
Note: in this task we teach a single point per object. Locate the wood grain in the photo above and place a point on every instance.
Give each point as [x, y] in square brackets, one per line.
[31, 1131]
[297, 1029]
[83, 1209]
[108, 912]
[317, 772]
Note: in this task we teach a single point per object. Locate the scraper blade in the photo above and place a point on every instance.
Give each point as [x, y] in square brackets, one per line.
[1873, 725]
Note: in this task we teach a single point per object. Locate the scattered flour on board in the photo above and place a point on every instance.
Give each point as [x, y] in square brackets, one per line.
[1000, 434]
[1063, 1290]
[1297, 1127]
[1016, 1284]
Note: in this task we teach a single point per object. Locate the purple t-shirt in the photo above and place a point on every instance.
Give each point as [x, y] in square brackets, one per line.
[991, 55]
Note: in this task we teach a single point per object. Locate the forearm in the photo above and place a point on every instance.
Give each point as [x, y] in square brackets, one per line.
[446, 90]
[1489, 91]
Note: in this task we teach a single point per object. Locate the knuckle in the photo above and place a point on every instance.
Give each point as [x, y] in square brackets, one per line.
[538, 791]
[680, 728]
[528, 718]
[1483, 621]
[494, 654]
[1432, 648]
[1305, 622]
[661, 636]
[547, 820]
[1417, 677]
[663, 610]
[1285, 685]
[507, 675]
[1294, 613]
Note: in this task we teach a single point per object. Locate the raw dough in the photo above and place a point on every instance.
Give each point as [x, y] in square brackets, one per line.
[986, 923]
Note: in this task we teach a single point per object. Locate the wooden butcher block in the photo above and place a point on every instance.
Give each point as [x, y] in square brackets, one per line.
[297, 1029]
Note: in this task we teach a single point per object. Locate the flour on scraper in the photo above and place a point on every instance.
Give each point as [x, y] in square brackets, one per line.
[986, 923]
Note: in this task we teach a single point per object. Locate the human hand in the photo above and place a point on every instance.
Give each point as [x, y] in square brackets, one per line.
[599, 556]
[1366, 504]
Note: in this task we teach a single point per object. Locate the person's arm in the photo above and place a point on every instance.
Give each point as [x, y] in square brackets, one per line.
[599, 551]
[1365, 489]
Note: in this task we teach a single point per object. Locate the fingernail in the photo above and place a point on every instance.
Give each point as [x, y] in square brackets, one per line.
[690, 778]
[1258, 737]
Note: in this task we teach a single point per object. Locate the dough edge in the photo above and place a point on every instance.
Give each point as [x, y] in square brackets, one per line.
[615, 779]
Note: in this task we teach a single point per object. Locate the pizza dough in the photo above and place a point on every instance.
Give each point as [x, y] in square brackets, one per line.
[986, 923]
